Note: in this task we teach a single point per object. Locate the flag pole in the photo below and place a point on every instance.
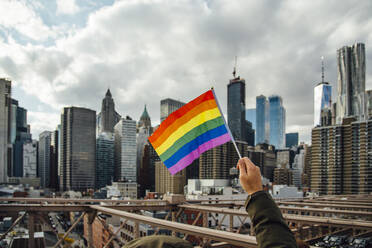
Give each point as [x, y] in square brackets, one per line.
[227, 127]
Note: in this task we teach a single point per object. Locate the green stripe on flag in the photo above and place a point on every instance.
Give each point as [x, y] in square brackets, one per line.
[192, 134]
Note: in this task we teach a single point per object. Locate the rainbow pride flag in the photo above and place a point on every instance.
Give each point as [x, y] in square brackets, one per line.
[189, 131]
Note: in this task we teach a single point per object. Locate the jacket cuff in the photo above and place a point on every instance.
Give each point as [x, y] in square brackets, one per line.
[251, 198]
[260, 200]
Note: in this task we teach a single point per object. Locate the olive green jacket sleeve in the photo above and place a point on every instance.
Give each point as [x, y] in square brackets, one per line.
[269, 226]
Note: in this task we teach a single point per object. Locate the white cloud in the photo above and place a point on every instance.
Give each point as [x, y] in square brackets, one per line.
[67, 7]
[41, 121]
[16, 15]
[149, 50]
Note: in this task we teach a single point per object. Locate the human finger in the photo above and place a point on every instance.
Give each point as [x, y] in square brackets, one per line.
[242, 167]
[249, 163]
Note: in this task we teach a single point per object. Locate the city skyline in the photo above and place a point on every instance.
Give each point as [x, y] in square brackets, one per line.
[52, 66]
[86, 162]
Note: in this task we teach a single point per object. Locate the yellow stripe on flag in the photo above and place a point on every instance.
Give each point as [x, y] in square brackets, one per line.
[187, 127]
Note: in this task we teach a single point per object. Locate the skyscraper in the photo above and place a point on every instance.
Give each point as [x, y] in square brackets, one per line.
[30, 159]
[108, 117]
[78, 149]
[297, 168]
[53, 172]
[5, 149]
[168, 106]
[20, 134]
[217, 162]
[262, 120]
[126, 150]
[44, 153]
[236, 108]
[341, 158]
[13, 120]
[306, 175]
[47, 159]
[291, 139]
[351, 68]
[249, 133]
[369, 103]
[328, 157]
[283, 176]
[145, 120]
[59, 161]
[144, 130]
[167, 183]
[250, 115]
[277, 122]
[263, 155]
[146, 172]
[322, 98]
[105, 160]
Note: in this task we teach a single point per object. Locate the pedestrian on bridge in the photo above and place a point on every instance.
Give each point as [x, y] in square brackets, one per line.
[269, 226]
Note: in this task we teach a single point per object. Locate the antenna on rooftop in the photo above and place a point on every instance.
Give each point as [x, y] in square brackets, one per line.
[234, 72]
[322, 69]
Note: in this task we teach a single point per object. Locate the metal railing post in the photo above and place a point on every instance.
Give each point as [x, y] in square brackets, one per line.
[31, 230]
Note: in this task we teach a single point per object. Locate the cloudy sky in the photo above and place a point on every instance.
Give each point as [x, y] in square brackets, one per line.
[68, 52]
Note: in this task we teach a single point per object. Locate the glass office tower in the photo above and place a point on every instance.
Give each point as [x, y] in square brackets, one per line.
[322, 100]
[262, 120]
[250, 115]
[291, 140]
[126, 150]
[277, 122]
[104, 160]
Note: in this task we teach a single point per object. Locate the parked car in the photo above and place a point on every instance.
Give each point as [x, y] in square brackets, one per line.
[361, 243]
[337, 241]
[323, 243]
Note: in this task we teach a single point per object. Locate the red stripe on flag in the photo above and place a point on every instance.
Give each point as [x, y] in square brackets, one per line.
[179, 113]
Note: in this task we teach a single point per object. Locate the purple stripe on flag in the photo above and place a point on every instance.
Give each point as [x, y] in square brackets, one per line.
[188, 159]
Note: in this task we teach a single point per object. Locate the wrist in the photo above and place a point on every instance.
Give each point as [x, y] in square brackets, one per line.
[253, 196]
[252, 191]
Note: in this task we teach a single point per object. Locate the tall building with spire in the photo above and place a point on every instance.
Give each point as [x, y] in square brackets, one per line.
[108, 117]
[146, 171]
[145, 120]
[351, 66]
[322, 98]
[236, 107]
[341, 148]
